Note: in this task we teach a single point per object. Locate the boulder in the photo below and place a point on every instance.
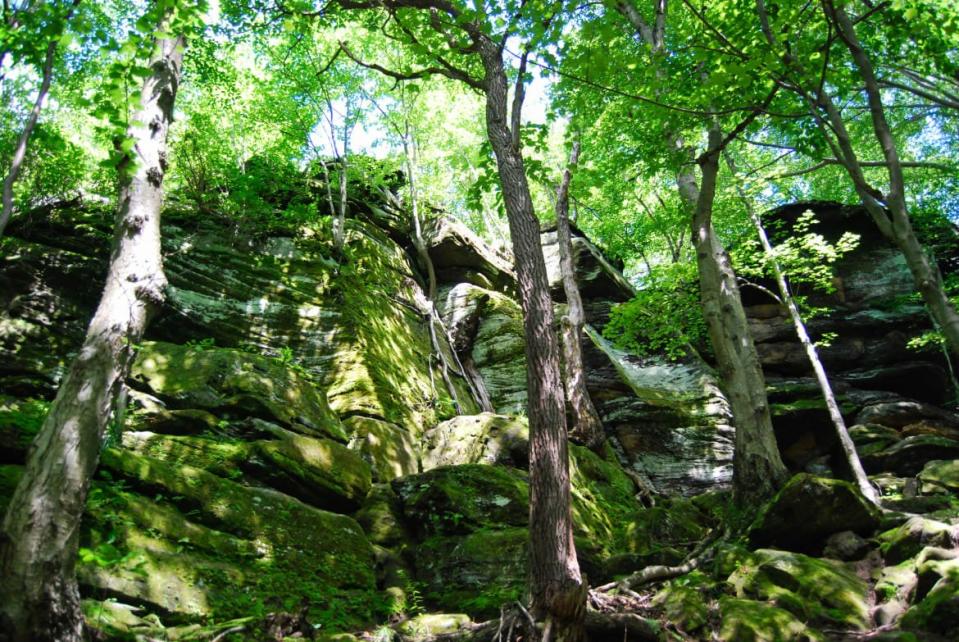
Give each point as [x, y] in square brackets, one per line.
[463, 499]
[682, 602]
[595, 276]
[902, 412]
[427, 625]
[476, 573]
[320, 472]
[381, 516]
[809, 509]
[940, 475]
[207, 546]
[938, 612]
[477, 439]
[908, 456]
[845, 546]
[905, 541]
[459, 255]
[750, 621]
[809, 588]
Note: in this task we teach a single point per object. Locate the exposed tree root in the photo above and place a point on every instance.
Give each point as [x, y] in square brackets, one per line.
[515, 624]
[658, 573]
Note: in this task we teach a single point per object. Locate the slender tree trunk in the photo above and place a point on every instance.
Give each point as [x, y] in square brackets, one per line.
[587, 426]
[924, 269]
[848, 448]
[20, 151]
[557, 589]
[758, 469]
[39, 600]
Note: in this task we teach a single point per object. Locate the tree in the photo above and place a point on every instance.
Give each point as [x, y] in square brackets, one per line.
[58, 26]
[39, 599]
[556, 587]
[757, 465]
[586, 424]
[888, 210]
[786, 299]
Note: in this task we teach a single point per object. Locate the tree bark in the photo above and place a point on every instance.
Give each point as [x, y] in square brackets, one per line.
[924, 269]
[758, 469]
[557, 589]
[20, 151]
[587, 427]
[39, 600]
[835, 415]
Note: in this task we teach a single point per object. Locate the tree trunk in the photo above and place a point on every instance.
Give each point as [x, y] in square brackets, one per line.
[20, 151]
[39, 600]
[587, 427]
[758, 469]
[557, 589]
[924, 270]
[848, 448]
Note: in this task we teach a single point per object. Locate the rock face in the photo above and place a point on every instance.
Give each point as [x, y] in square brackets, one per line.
[668, 422]
[879, 380]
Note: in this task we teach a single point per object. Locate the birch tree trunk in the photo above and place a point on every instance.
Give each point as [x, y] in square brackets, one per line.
[39, 600]
[835, 415]
[557, 589]
[587, 427]
[758, 469]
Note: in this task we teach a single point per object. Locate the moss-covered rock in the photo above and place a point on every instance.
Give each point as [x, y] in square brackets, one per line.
[938, 612]
[222, 457]
[674, 523]
[810, 588]
[381, 516]
[907, 540]
[605, 510]
[750, 621]
[809, 509]
[234, 381]
[318, 471]
[940, 475]
[475, 573]
[463, 499]
[291, 551]
[389, 449]
[486, 438]
[427, 625]
[683, 601]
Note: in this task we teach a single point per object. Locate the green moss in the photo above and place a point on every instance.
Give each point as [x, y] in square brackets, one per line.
[9, 478]
[462, 499]
[21, 419]
[231, 380]
[320, 471]
[811, 588]
[683, 601]
[476, 573]
[301, 553]
[218, 456]
[938, 611]
[749, 621]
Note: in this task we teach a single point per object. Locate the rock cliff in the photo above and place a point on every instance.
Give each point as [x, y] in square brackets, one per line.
[289, 439]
